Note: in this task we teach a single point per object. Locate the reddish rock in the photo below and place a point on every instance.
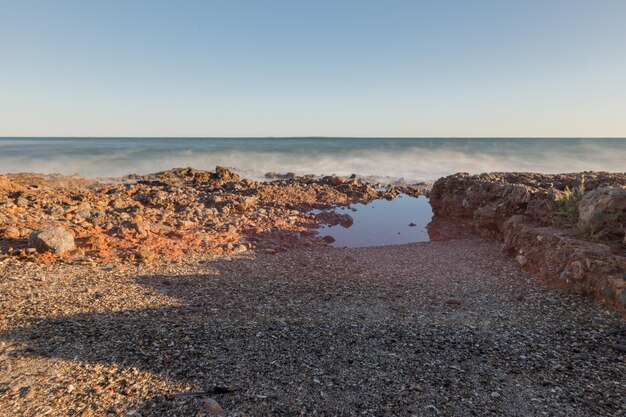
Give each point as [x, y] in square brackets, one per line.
[560, 258]
[11, 232]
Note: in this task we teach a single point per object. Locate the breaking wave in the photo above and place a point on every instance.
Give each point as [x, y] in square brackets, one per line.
[386, 159]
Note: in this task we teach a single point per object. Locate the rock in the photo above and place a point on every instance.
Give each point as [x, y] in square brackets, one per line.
[328, 239]
[241, 249]
[490, 199]
[117, 203]
[52, 239]
[213, 407]
[11, 232]
[277, 176]
[82, 214]
[146, 255]
[559, 257]
[552, 232]
[335, 180]
[602, 212]
[226, 175]
[140, 227]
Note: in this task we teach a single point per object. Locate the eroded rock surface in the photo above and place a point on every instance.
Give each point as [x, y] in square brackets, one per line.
[568, 229]
[603, 211]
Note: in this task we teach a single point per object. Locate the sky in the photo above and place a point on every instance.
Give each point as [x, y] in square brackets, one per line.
[313, 68]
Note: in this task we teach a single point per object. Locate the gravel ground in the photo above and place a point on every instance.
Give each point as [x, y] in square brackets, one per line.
[442, 328]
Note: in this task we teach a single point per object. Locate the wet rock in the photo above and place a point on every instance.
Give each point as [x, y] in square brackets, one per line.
[328, 239]
[52, 239]
[333, 219]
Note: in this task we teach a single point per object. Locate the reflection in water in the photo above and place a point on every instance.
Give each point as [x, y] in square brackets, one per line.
[382, 222]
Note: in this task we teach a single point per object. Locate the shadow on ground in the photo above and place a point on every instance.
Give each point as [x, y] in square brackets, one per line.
[340, 344]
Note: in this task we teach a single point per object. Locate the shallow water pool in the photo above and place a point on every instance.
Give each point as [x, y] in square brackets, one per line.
[382, 222]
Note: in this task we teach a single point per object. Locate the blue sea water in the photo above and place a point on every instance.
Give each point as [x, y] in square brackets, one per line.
[413, 159]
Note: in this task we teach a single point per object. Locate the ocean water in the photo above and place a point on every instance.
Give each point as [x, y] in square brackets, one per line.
[387, 159]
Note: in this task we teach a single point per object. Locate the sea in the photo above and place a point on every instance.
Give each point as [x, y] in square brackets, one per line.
[383, 159]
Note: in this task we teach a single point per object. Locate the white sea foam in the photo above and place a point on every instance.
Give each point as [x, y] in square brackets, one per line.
[412, 160]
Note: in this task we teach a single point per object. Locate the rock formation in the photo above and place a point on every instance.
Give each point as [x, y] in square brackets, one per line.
[566, 229]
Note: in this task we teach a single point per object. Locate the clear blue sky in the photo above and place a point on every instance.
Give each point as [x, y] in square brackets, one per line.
[283, 68]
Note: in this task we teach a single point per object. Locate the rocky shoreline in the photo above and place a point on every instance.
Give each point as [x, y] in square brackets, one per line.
[200, 293]
[166, 215]
[567, 229]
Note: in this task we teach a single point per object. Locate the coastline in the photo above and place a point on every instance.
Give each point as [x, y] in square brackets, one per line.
[138, 219]
[191, 280]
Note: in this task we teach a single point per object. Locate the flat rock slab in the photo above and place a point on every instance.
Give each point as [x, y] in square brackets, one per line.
[450, 328]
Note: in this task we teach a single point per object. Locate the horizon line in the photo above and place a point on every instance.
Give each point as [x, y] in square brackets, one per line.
[309, 137]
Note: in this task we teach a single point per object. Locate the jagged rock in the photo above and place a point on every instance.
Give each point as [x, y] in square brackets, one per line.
[523, 210]
[490, 199]
[226, 175]
[603, 212]
[52, 239]
[559, 257]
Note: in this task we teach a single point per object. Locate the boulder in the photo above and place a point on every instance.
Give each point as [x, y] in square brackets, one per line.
[52, 239]
[602, 212]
